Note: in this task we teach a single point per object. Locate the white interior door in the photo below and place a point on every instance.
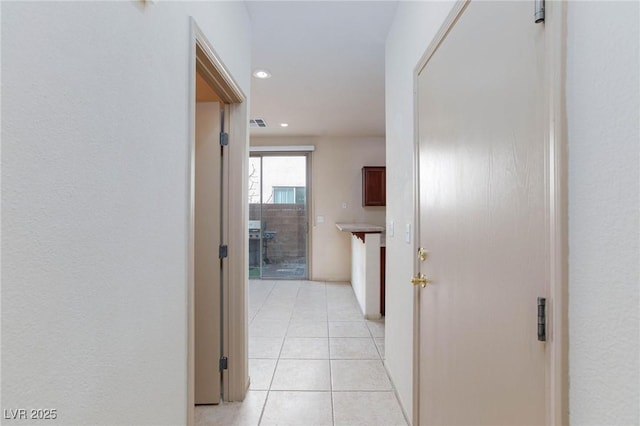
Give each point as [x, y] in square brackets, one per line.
[483, 220]
[207, 262]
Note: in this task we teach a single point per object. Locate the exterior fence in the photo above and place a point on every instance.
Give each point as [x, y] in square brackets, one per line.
[284, 231]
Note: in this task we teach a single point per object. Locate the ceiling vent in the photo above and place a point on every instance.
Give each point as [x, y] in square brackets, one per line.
[257, 122]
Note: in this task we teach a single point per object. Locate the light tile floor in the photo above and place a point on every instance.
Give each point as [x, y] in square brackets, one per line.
[313, 360]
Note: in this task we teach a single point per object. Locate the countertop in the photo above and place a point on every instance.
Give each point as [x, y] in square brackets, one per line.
[359, 227]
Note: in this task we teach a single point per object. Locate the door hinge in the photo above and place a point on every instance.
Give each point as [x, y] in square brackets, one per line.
[539, 10]
[542, 319]
[224, 363]
[223, 251]
[224, 139]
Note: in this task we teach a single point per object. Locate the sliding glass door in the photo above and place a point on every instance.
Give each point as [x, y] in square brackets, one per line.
[278, 216]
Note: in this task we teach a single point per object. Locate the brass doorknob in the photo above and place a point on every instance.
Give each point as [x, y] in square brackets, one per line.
[420, 279]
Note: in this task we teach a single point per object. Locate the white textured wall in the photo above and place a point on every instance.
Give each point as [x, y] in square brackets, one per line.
[365, 273]
[359, 271]
[94, 203]
[413, 28]
[372, 277]
[336, 177]
[603, 75]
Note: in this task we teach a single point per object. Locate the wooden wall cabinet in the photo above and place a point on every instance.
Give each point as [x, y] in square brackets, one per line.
[374, 192]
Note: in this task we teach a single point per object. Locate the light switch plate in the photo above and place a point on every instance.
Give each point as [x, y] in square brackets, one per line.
[390, 231]
[320, 219]
[344, 205]
[407, 233]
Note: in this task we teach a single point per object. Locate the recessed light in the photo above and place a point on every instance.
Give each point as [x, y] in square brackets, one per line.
[261, 74]
[284, 124]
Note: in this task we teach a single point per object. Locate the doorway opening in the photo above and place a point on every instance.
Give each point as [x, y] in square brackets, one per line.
[216, 319]
[209, 226]
[279, 193]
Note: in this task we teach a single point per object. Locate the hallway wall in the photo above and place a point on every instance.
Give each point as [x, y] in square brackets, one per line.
[95, 137]
[603, 97]
[336, 178]
[415, 24]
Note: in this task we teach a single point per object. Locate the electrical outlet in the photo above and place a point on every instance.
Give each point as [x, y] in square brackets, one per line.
[344, 205]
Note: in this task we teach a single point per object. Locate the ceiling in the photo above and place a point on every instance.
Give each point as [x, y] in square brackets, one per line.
[326, 59]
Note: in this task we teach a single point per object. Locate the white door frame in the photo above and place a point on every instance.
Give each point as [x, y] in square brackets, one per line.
[204, 60]
[556, 142]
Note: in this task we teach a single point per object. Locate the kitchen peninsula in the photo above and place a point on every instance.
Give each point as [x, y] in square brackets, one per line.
[367, 264]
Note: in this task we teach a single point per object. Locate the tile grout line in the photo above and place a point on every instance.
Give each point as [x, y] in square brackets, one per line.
[332, 392]
[333, 412]
[263, 302]
[266, 399]
[375, 345]
[394, 391]
[264, 404]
